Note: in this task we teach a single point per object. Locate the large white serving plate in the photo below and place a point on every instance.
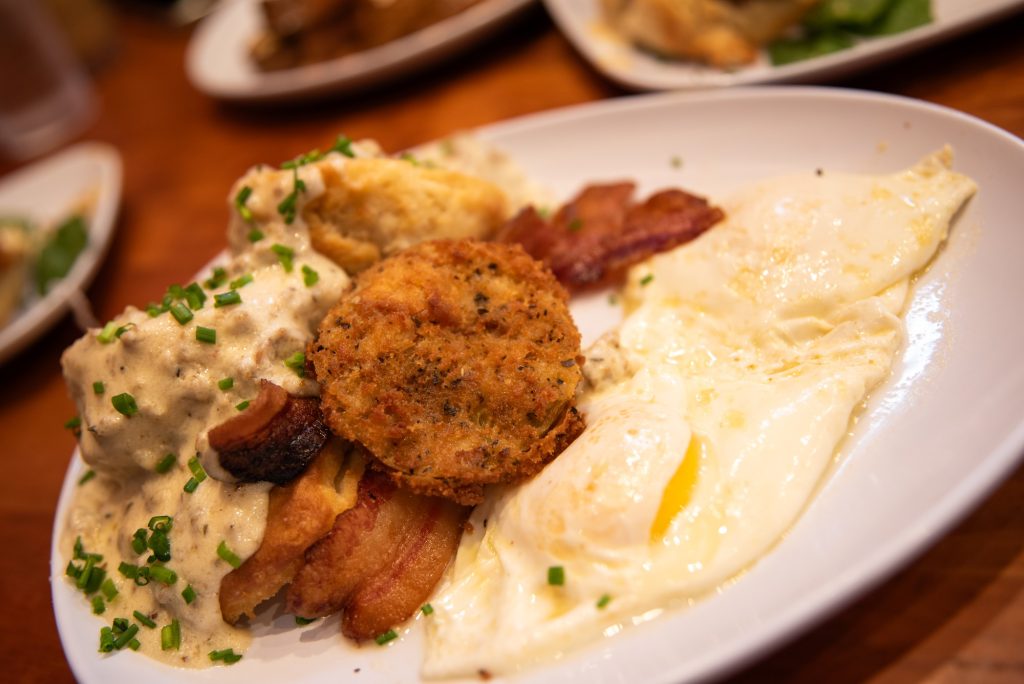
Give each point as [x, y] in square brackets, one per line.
[639, 70]
[218, 61]
[46, 192]
[932, 441]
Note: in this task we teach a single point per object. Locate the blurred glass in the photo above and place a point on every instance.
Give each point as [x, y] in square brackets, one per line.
[45, 96]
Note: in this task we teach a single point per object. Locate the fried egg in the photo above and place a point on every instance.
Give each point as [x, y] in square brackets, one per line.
[713, 413]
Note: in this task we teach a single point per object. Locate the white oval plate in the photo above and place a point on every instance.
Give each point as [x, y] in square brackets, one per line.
[218, 61]
[46, 192]
[639, 70]
[933, 441]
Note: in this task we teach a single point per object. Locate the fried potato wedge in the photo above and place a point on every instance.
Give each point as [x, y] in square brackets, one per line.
[299, 514]
[381, 560]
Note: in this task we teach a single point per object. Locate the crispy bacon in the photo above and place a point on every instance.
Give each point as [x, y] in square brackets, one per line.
[274, 439]
[593, 239]
[380, 561]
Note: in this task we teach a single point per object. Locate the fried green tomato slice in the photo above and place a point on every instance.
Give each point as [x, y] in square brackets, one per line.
[455, 363]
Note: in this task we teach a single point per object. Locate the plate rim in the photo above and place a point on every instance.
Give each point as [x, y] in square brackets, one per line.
[31, 323]
[819, 603]
[844, 62]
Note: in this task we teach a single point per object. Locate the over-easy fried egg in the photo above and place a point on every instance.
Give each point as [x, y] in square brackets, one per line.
[714, 411]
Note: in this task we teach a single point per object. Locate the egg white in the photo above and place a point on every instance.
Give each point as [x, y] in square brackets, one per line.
[713, 413]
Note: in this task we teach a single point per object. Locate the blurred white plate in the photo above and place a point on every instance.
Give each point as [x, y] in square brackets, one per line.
[640, 70]
[47, 192]
[218, 60]
[932, 442]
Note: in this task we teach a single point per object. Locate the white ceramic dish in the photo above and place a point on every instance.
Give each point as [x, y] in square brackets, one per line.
[46, 192]
[218, 61]
[639, 70]
[933, 441]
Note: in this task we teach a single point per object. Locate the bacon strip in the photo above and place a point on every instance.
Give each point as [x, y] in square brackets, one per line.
[596, 237]
[274, 439]
[381, 560]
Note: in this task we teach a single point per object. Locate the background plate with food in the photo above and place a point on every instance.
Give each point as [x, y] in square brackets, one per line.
[932, 440]
[83, 181]
[605, 47]
[233, 56]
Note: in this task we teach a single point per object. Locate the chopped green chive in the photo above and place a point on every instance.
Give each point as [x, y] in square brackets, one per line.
[154, 310]
[109, 589]
[309, 276]
[106, 336]
[161, 523]
[123, 329]
[134, 644]
[73, 423]
[195, 296]
[217, 278]
[576, 224]
[191, 485]
[106, 640]
[197, 469]
[98, 387]
[604, 601]
[98, 605]
[343, 145]
[297, 362]
[225, 384]
[240, 199]
[227, 656]
[287, 208]
[128, 570]
[303, 159]
[89, 474]
[227, 299]
[166, 463]
[188, 593]
[119, 625]
[144, 619]
[647, 280]
[240, 281]
[170, 636]
[556, 575]
[427, 609]
[139, 541]
[302, 622]
[128, 634]
[72, 571]
[285, 255]
[206, 335]
[163, 574]
[227, 555]
[255, 235]
[242, 405]
[181, 313]
[125, 404]
[387, 636]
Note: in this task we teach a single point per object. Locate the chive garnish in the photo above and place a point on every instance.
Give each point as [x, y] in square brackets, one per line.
[647, 279]
[206, 335]
[139, 541]
[427, 609]
[309, 276]
[144, 619]
[240, 281]
[163, 574]
[166, 463]
[297, 362]
[129, 634]
[227, 299]
[106, 640]
[89, 474]
[556, 575]
[98, 605]
[181, 313]
[227, 656]
[73, 423]
[191, 485]
[128, 570]
[170, 636]
[188, 593]
[240, 199]
[285, 255]
[387, 636]
[287, 208]
[242, 405]
[98, 387]
[255, 235]
[227, 555]
[217, 278]
[125, 404]
[302, 622]
[106, 336]
[343, 145]
[225, 384]
[134, 644]
[161, 523]
[123, 329]
[109, 589]
[603, 601]
[195, 296]
[197, 469]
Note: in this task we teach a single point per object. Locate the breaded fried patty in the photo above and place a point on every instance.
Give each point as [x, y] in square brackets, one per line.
[455, 363]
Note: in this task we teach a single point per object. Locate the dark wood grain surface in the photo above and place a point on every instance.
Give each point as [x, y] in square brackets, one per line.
[956, 614]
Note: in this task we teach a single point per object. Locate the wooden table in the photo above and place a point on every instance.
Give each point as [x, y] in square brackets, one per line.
[955, 614]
